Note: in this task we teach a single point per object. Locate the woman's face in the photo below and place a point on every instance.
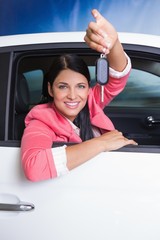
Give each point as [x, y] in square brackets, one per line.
[70, 92]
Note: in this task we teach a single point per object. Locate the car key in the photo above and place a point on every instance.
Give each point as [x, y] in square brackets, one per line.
[102, 73]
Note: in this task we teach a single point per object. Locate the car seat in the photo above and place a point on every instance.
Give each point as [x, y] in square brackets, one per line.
[22, 104]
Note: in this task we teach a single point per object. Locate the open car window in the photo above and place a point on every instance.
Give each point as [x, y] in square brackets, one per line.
[142, 90]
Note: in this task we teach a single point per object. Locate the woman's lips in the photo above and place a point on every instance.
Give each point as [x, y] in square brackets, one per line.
[72, 104]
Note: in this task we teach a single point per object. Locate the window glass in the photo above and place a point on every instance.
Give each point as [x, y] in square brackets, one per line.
[142, 90]
[92, 75]
[35, 82]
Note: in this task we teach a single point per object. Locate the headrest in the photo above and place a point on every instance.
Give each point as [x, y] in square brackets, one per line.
[22, 95]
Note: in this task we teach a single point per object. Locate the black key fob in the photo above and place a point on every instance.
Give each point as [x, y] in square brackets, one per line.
[102, 70]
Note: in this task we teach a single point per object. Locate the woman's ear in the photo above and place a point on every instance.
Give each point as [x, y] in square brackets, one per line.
[50, 91]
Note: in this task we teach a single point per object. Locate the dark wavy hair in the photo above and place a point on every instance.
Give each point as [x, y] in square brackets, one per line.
[75, 63]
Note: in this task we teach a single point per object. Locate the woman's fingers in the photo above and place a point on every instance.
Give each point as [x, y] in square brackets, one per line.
[96, 43]
[98, 17]
[130, 141]
[114, 140]
[100, 35]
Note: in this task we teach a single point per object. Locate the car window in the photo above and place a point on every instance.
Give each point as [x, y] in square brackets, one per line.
[142, 89]
[34, 81]
[92, 72]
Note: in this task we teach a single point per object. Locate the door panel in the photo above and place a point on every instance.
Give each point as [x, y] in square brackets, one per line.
[115, 190]
[136, 110]
[134, 124]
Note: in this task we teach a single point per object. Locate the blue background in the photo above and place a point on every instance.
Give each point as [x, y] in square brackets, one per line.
[33, 16]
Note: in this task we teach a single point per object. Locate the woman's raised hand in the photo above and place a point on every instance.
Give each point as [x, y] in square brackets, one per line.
[100, 35]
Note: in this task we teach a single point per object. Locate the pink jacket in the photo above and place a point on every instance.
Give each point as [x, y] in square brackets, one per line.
[44, 126]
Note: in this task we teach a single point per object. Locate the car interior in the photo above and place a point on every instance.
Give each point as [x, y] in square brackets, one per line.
[135, 111]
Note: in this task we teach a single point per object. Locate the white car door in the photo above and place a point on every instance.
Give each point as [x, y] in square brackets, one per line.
[114, 196]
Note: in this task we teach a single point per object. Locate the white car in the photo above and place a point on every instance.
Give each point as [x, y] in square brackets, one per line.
[114, 196]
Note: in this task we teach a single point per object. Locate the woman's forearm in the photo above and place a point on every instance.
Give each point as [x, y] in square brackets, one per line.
[82, 152]
[117, 58]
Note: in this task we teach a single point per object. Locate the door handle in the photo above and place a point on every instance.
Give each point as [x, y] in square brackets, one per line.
[20, 207]
[152, 122]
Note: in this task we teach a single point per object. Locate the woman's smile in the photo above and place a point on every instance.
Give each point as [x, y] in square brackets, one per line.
[72, 105]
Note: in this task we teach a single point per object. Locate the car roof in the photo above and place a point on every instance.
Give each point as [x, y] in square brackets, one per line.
[58, 37]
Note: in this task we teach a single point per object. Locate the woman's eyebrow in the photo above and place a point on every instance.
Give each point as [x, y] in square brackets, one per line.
[82, 83]
[63, 83]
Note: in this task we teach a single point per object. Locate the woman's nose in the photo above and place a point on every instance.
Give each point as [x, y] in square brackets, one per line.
[72, 94]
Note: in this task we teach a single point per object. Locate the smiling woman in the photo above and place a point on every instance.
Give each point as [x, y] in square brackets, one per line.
[74, 111]
[71, 115]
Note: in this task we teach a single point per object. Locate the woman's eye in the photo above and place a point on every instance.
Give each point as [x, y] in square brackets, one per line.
[81, 86]
[62, 86]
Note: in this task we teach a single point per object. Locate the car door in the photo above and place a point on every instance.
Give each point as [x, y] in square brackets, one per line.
[136, 111]
[113, 196]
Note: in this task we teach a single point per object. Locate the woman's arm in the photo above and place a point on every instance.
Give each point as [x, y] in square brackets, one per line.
[82, 152]
[41, 162]
[102, 37]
